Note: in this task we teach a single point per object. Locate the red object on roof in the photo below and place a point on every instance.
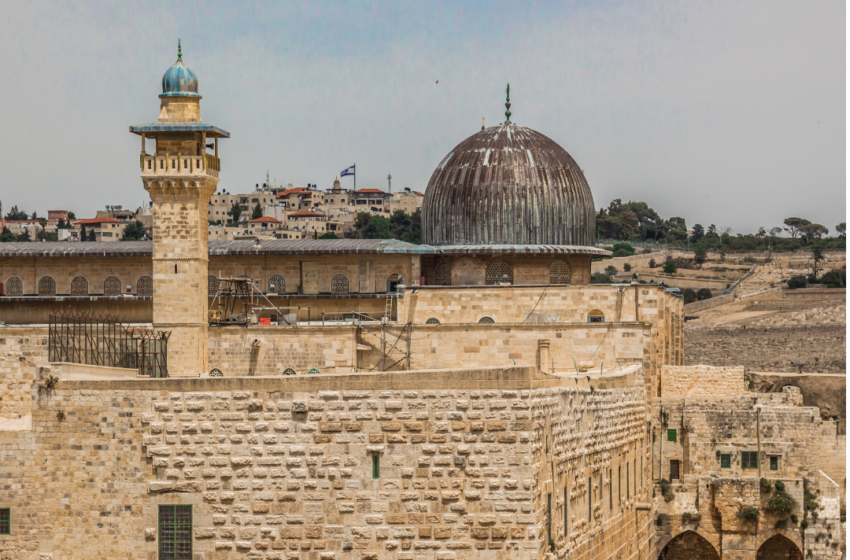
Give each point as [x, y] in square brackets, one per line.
[418, 193]
[305, 214]
[95, 221]
[267, 219]
[291, 191]
[377, 191]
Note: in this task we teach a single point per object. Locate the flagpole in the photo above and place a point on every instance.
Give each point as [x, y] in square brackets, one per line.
[355, 176]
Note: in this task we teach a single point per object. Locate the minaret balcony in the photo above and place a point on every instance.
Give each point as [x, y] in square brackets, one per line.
[179, 165]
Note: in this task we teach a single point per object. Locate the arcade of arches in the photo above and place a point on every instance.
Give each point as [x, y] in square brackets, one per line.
[692, 546]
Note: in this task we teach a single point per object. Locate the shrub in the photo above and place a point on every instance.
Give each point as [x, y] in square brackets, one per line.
[780, 503]
[748, 513]
[619, 253]
[652, 263]
[794, 518]
[690, 295]
[610, 270]
[599, 278]
[797, 282]
[689, 517]
[834, 277]
[627, 267]
[779, 485]
[666, 491]
[700, 255]
[669, 267]
[781, 524]
[804, 524]
[627, 249]
[703, 293]
[766, 485]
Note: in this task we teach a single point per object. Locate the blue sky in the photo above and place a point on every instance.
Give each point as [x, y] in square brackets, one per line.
[730, 112]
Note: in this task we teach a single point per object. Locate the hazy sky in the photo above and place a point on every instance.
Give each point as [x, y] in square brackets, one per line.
[729, 112]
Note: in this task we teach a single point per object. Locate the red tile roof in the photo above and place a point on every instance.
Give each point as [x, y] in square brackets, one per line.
[94, 221]
[291, 191]
[371, 191]
[418, 193]
[305, 214]
[267, 219]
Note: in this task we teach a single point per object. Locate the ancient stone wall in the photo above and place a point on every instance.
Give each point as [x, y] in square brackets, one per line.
[815, 348]
[702, 381]
[63, 270]
[22, 352]
[440, 465]
[527, 269]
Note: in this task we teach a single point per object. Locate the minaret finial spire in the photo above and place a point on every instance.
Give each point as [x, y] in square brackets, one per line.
[508, 106]
[179, 51]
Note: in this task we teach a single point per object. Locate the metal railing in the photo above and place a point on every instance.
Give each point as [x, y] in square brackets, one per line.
[102, 340]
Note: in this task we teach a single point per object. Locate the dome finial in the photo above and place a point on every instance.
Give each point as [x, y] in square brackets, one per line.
[508, 106]
[179, 51]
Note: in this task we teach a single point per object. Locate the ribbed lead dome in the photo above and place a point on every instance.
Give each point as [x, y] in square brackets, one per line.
[179, 80]
[508, 185]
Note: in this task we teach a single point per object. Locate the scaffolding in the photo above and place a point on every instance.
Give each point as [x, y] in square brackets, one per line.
[100, 339]
[393, 342]
[238, 301]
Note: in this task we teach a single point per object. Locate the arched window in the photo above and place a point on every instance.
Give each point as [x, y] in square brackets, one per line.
[779, 546]
[486, 321]
[112, 286]
[14, 286]
[47, 286]
[499, 272]
[212, 284]
[144, 287]
[595, 316]
[339, 284]
[559, 272]
[443, 274]
[277, 284]
[432, 321]
[79, 286]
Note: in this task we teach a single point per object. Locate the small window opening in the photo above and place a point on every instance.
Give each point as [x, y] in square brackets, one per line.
[565, 511]
[774, 463]
[671, 435]
[549, 515]
[725, 460]
[589, 499]
[5, 521]
[595, 316]
[376, 466]
[432, 321]
[628, 493]
[175, 269]
[674, 469]
[619, 485]
[486, 321]
[610, 491]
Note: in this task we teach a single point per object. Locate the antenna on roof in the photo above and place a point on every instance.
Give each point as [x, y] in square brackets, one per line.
[179, 52]
[482, 123]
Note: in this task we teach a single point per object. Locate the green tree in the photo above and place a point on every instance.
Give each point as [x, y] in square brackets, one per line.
[669, 267]
[61, 224]
[329, 235]
[92, 235]
[700, 254]
[797, 282]
[35, 215]
[361, 220]
[377, 228]
[7, 236]
[810, 232]
[703, 293]
[690, 295]
[134, 231]
[257, 212]
[25, 236]
[235, 212]
[83, 235]
[15, 214]
[817, 257]
[71, 216]
[697, 233]
[841, 230]
[793, 225]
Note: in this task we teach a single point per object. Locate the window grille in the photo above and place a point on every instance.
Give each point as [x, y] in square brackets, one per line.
[277, 284]
[774, 463]
[432, 321]
[671, 435]
[443, 274]
[47, 286]
[175, 532]
[595, 316]
[499, 272]
[112, 286]
[79, 286]
[212, 284]
[486, 321]
[559, 272]
[14, 286]
[5, 521]
[725, 461]
[628, 492]
[339, 284]
[144, 286]
[244, 288]
[749, 459]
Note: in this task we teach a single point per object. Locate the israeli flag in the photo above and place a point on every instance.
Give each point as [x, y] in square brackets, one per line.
[347, 171]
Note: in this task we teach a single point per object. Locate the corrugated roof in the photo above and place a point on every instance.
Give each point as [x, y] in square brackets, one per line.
[212, 131]
[96, 221]
[282, 247]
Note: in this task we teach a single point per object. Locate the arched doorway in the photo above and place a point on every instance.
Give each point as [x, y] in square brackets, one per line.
[689, 546]
[779, 547]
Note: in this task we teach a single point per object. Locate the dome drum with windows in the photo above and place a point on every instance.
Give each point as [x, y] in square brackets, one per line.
[509, 197]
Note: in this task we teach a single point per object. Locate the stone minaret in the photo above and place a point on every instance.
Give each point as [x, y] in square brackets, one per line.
[180, 177]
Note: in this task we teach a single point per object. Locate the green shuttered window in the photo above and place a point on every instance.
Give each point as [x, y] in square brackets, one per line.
[671, 435]
[725, 460]
[175, 532]
[5, 521]
[749, 459]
